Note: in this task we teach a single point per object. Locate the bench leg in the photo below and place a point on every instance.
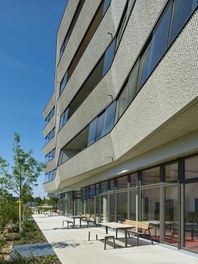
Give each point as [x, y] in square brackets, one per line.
[137, 242]
[150, 237]
[105, 241]
[89, 236]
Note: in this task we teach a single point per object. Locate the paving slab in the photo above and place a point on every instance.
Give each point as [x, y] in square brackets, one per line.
[37, 250]
[72, 247]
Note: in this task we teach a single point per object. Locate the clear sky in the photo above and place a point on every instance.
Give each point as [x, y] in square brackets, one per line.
[27, 64]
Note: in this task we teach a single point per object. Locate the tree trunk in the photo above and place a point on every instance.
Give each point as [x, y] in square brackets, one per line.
[20, 214]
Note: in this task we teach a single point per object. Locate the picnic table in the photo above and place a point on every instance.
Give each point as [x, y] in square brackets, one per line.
[117, 226]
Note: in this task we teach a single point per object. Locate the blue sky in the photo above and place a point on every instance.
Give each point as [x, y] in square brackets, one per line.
[27, 64]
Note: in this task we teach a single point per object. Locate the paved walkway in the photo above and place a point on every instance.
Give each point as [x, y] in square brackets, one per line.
[73, 247]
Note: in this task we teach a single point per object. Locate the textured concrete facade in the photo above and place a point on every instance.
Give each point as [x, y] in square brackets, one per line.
[110, 122]
[141, 129]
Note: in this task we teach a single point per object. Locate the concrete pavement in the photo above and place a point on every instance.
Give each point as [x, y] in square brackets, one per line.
[72, 247]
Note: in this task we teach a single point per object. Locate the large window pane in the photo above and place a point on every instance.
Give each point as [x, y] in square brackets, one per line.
[181, 12]
[132, 84]
[171, 215]
[112, 207]
[109, 55]
[133, 203]
[63, 83]
[125, 17]
[191, 217]
[122, 182]
[121, 206]
[145, 68]
[151, 210]
[106, 5]
[100, 126]
[133, 180]
[92, 132]
[121, 103]
[63, 118]
[171, 172]
[191, 167]
[104, 208]
[109, 117]
[159, 39]
[151, 176]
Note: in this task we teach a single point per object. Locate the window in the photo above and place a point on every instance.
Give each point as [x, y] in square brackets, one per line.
[50, 176]
[50, 115]
[121, 104]
[63, 119]
[71, 27]
[151, 176]
[159, 39]
[109, 117]
[109, 56]
[50, 135]
[100, 126]
[181, 7]
[191, 167]
[171, 172]
[124, 19]
[145, 68]
[122, 182]
[50, 155]
[106, 5]
[133, 180]
[132, 84]
[63, 83]
[92, 132]
[122, 203]
[104, 186]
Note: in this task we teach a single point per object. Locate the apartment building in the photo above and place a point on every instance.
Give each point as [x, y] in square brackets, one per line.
[122, 124]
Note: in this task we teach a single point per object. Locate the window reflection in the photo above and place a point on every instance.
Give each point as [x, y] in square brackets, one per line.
[159, 39]
[122, 182]
[133, 203]
[109, 56]
[171, 215]
[191, 167]
[171, 172]
[151, 210]
[121, 206]
[151, 176]
[191, 217]
[181, 7]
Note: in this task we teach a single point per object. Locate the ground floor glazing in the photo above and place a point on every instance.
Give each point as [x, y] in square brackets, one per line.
[165, 195]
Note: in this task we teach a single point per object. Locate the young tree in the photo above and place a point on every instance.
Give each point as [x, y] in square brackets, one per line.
[23, 176]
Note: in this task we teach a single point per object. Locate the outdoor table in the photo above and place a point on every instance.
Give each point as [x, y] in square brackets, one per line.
[74, 217]
[117, 226]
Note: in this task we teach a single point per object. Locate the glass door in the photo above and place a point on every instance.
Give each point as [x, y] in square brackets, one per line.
[171, 215]
[191, 217]
[151, 210]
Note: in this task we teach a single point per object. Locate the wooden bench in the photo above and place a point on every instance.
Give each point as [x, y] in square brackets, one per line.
[68, 223]
[90, 218]
[139, 229]
[103, 236]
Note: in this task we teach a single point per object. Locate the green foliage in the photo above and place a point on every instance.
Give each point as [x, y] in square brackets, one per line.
[31, 233]
[25, 171]
[8, 212]
[23, 176]
[16, 258]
